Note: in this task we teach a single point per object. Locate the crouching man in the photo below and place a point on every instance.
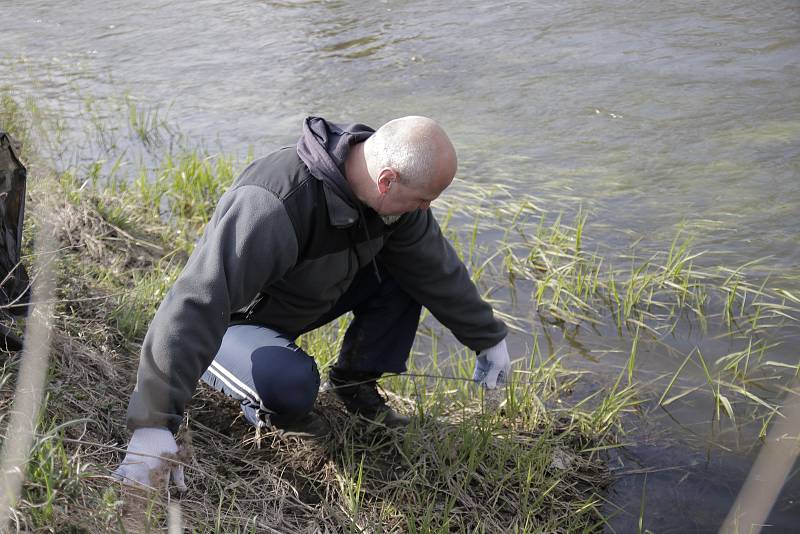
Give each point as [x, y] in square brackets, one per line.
[340, 222]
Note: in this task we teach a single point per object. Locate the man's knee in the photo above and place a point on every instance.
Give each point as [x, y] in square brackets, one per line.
[287, 380]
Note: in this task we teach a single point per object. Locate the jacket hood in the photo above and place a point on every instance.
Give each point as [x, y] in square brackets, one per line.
[323, 147]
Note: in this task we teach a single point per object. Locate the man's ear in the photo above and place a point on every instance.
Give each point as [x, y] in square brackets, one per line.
[385, 178]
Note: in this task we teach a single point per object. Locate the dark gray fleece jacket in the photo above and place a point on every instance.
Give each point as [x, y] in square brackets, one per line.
[284, 243]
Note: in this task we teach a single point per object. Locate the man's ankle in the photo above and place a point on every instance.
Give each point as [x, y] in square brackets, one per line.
[344, 379]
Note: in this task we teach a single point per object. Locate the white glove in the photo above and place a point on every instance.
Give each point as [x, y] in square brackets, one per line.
[143, 458]
[493, 366]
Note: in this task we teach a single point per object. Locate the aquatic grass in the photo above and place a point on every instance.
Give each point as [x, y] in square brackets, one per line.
[145, 122]
[601, 411]
[663, 401]
[652, 295]
[640, 523]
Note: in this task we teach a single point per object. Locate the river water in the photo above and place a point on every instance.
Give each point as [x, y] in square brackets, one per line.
[651, 115]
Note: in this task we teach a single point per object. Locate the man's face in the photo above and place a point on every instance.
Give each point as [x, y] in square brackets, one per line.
[401, 198]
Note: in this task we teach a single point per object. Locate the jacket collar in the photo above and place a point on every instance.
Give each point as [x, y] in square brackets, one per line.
[340, 213]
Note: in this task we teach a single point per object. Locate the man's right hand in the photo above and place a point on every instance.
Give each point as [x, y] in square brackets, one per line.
[145, 455]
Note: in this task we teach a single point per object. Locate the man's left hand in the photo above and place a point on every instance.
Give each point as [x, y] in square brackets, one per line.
[493, 366]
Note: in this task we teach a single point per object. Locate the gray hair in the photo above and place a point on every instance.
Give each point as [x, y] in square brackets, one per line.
[407, 145]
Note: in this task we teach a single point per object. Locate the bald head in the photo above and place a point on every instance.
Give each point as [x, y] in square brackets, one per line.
[416, 148]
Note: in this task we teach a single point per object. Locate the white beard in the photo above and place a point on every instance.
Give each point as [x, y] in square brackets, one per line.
[390, 219]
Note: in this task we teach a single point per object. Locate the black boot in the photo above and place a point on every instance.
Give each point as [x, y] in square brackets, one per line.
[359, 394]
[311, 426]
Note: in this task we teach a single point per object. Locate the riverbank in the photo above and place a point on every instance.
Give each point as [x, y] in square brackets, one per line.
[533, 460]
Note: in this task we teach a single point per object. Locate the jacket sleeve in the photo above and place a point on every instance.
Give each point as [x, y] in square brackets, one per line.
[427, 267]
[248, 243]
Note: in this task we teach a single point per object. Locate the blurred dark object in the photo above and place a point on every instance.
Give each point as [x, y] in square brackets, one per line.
[9, 342]
[14, 281]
